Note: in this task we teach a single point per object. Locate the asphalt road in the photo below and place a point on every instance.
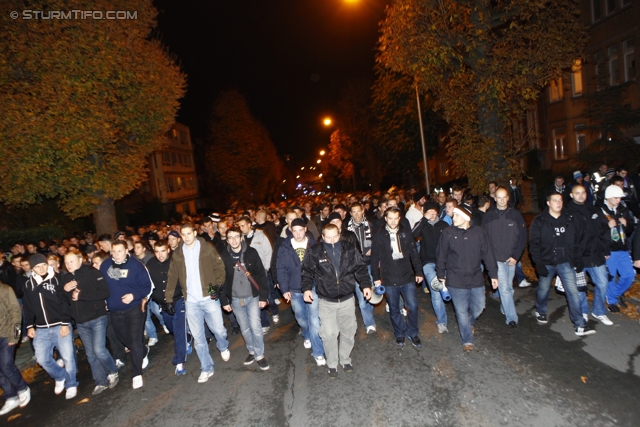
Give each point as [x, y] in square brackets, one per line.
[530, 376]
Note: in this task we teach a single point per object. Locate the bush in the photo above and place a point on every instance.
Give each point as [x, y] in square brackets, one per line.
[10, 237]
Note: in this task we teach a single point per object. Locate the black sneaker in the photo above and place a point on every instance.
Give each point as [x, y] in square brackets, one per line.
[621, 303]
[333, 373]
[513, 324]
[584, 331]
[264, 365]
[235, 330]
[613, 308]
[348, 368]
[541, 318]
[415, 341]
[400, 341]
[249, 360]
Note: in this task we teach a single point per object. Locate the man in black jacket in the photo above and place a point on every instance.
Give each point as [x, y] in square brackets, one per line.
[507, 234]
[245, 292]
[555, 245]
[334, 266]
[461, 251]
[395, 263]
[87, 292]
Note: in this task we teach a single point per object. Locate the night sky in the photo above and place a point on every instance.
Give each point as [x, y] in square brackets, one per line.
[289, 58]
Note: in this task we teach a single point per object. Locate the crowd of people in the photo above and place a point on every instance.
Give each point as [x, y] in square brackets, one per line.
[322, 255]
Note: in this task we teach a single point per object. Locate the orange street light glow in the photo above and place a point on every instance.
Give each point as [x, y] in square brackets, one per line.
[327, 121]
[319, 161]
[322, 152]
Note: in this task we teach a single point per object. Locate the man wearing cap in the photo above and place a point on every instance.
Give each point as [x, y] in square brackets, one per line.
[311, 226]
[333, 267]
[620, 225]
[291, 254]
[555, 245]
[395, 263]
[430, 229]
[173, 239]
[48, 324]
[507, 234]
[414, 213]
[462, 249]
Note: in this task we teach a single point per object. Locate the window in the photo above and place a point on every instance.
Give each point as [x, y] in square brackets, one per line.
[145, 187]
[611, 6]
[183, 137]
[187, 160]
[598, 59]
[614, 66]
[625, 2]
[559, 136]
[576, 77]
[174, 132]
[171, 185]
[629, 60]
[581, 138]
[444, 170]
[166, 158]
[179, 183]
[596, 10]
[556, 92]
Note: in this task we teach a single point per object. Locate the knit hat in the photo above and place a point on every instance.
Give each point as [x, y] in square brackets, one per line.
[298, 222]
[463, 212]
[36, 259]
[577, 174]
[334, 215]
[610, 171]
[173, 233]
[418, 195]
[613, 191]
[431, 205]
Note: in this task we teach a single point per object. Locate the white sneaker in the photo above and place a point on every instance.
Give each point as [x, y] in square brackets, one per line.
[307, 343]
[204, 377]
[277, 301]
[119, 363]
[59, 387]
[226, 355]
[9, 406]
[152, 342]
[524, 284]
[403, 312]
[166, 330]
[60, 363]
[371, 329]
[113, 379]
[603, 319]
[442, 328]
[321, 361]
[275, 318]
[137, 382]
[71, 393]
[98, 389]
[386, 307]
[265, 330]
[145, 361]
[585, 316]
[25, 339]
[25, 397]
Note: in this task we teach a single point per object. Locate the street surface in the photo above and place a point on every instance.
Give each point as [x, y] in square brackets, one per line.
[530, 376]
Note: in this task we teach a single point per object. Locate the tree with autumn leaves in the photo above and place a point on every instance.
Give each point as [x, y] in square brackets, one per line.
[484, 62]
[83, 103]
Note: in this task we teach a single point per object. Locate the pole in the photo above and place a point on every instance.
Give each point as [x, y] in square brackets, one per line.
[424, 148]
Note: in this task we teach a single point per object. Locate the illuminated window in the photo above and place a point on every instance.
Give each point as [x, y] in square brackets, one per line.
[576, 77]
[559, 136]
[629, 60]
[556, 92]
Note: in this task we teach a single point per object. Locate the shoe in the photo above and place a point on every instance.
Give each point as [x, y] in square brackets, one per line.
[96, 391]
[71, 393]
[180, 370]
[321, 361]
[371, 329]
[24, 396]
[204, 377]
[307, 343]
[277, 301]
[25, 339]
[152, 342]
[235, 330]
[189, 348]
[275, 318]
[347, 367]
[613, 308]
[541, 318]
[333, 373]
[415, 341]
[603, 319]
[426, 290]
[524, 284]
[249, 360]
[585, 316]
[513, 324]
[584, 331]
[137, 382]
[59, 387]
[400, 341]
[60, 363]
[9, 406]
[265, 330]
[226, 355]
[403, 312]
[621, 303]
[442, 328]
[145, 361]
[119, 363]
[264, 365]
[386, 308]
[113, 379]
[166, 330]
[467, 348]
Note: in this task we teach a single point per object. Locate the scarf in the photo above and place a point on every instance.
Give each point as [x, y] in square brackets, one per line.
[362, 232]
[395, 244]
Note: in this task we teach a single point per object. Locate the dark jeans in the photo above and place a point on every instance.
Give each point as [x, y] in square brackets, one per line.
[117, 348]
[93, 335]
[177, 325]
[11, 380]
[408, 292]
[129, 327]
[271, 307]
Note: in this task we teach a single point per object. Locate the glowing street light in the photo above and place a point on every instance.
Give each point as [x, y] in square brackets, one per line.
[319, 161]
[327, 121]
[322, 152]
[320, 176]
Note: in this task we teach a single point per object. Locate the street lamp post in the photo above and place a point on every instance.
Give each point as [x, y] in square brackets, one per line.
[424, 147]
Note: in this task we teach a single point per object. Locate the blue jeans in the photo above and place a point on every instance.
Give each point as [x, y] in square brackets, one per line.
[94, 338]
[271, 307]
[400, 328]
[247, 312]
[599, 278]
[209, 311]
[568, 276]
[11, 380]
[519, 273]
[366, 309]
[309, 320]
[44, 342]
[505, 287]
[437, 302]
[177, 325]
[149, 327]
[619, 263]
[468, 305]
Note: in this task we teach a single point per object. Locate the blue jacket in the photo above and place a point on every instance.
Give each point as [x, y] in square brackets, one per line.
[130, 277]
[289, 266]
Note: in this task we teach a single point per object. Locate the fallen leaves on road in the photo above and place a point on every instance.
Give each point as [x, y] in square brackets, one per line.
[584, 379]
[85, 400]
[13, 417]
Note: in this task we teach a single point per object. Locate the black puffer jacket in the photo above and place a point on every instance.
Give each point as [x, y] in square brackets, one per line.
[541, 240]
[94, 291]
[595, 233]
